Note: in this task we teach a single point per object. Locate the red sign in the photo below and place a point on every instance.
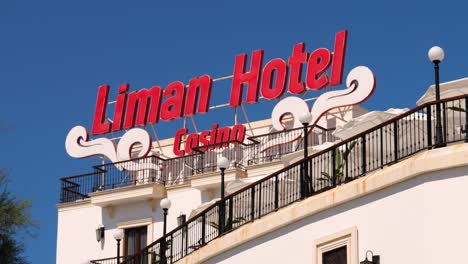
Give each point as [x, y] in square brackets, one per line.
[271, 80]
[148, 106]
[212, 137]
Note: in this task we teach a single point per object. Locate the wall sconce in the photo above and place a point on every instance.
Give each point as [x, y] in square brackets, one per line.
[181, 219]
[375, 259]
[100, 233]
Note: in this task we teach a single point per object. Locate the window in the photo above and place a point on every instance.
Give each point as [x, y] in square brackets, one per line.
[135, 240]
[137, 233]
[335, 256]
[338, 248]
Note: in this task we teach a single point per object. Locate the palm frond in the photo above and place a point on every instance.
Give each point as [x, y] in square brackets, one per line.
[457, 109]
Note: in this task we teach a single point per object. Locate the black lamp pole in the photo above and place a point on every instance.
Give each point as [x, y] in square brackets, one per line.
[118, 250]
[118, 235]
[222, 212]
[165, 221]
[439, 133]
[306, 143]
[163, 246]
[436, 55]
[222, 182]
[223, 164]
[165, 205]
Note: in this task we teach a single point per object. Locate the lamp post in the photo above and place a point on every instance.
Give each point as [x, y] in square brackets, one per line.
[223, 164]
[305, 119]
[165, 205]
[436, 55]
[118, 235]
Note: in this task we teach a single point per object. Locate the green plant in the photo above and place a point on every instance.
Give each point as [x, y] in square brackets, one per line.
[155, 256]
[228, 224]
[15, 222]
[457, 108]
[340, 162]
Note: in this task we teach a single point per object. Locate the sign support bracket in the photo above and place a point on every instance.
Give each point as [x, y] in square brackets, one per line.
[247, 118]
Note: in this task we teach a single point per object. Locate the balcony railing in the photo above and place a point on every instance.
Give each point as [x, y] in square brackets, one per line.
[111, 176]
[263, 148]
[375, 148]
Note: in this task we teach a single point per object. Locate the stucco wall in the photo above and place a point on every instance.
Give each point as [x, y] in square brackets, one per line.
[76, 238]
[422, 220]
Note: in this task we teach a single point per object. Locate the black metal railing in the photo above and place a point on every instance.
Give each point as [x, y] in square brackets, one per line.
[261, 149]
[111, 176]
[123, 259]
[274, 145]
[235, 151]
[354, 157]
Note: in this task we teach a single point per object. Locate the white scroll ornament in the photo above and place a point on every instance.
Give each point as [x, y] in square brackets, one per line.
[78, 145]
[361, 84]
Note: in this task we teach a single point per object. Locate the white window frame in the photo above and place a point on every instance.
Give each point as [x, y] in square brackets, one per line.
[347, 237]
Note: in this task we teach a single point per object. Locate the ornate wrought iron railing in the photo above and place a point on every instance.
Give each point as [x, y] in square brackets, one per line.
[383, 145]
[153, 169]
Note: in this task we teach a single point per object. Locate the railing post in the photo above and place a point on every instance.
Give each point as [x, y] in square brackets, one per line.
[182, 235]
[221, 218]
[231, 212]
[305, 178]
[444, 124]
[364, 161]
[276, 192]
[381, 148]
[260, 200]
[203, 163]
[395, 139]
[310, 184]
[429, 126]
[252, 204]
[346, 168]
[333, 166]
[172, 248]
[185, 232]
[302, 180]
[203, 229]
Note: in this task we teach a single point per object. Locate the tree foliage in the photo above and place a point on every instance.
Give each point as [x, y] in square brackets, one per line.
[14, 221]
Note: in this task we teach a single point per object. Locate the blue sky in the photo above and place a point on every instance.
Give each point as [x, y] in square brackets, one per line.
[55, 53]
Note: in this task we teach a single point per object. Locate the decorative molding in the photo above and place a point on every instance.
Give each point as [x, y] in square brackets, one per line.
[347, 237]
[78, 204]
[135, 223]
